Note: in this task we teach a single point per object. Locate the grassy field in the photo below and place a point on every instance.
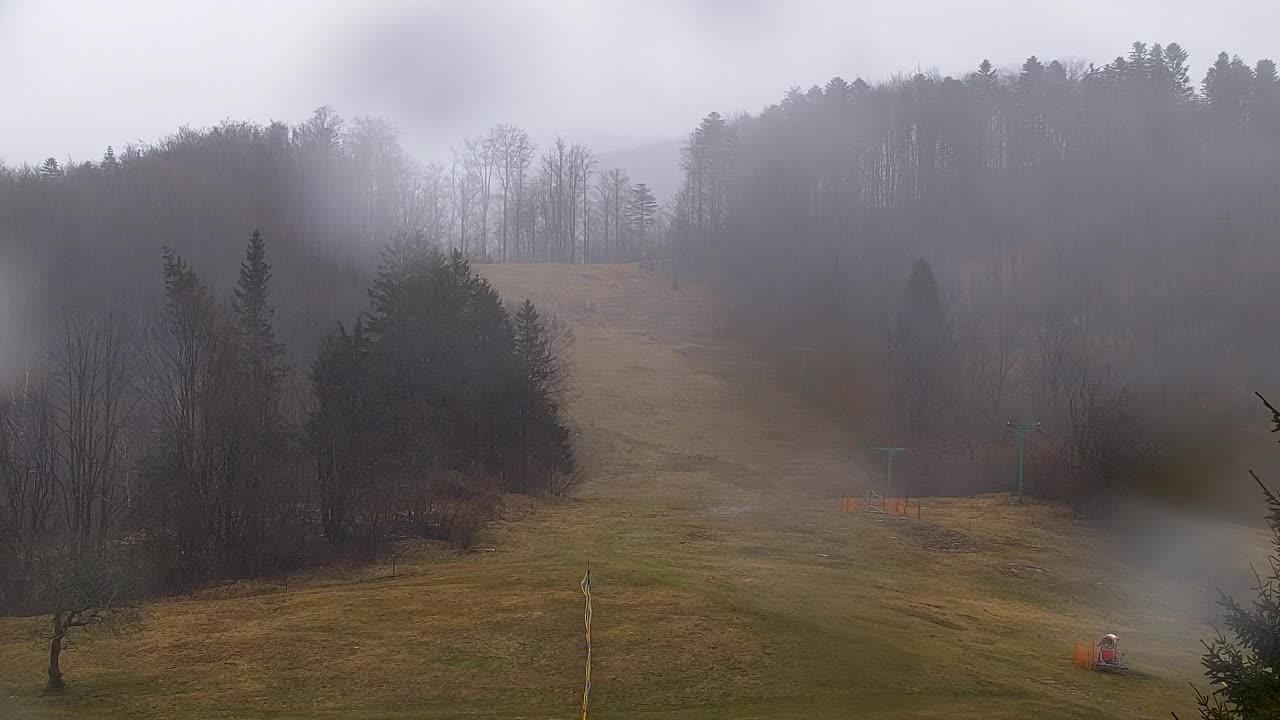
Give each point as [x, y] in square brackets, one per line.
[726, 582]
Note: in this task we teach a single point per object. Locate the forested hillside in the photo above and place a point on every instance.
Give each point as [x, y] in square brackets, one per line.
[249, 364]
[178, 406]
[327, 193]
[1091, 247]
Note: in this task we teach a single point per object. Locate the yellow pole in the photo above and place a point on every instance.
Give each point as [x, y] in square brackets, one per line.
[586, 590]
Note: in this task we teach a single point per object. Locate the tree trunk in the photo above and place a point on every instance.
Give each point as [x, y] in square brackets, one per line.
[55, 650]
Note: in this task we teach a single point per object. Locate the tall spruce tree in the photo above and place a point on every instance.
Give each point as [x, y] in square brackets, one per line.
[641, 209]
[1179, 73]
[109, 161]
[260, 425]
[543, 445]
[251, 303]
[50, 168]
[921, 351]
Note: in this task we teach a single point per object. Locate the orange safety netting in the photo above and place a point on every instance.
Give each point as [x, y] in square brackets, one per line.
[1082, 654]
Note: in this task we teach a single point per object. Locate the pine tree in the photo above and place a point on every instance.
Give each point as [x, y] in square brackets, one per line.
[109, 161]
[985, 78]
[920, 350]
[1158, 68]
[1264, 102]
[1226, 88]
[251, 299]
[263, 357]
[250, 303]
[1244, 673]
[539, 366]
[1179, 72]
[543, 437]
[1139, 64]
[641, 209]
[837, 89]
[1031, 71]
[50, 168]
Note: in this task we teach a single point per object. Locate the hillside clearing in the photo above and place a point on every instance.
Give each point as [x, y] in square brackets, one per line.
[726, 583]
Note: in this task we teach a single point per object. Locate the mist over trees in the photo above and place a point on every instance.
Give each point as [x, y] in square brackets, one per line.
[1079, 245]
[154, 451]
[328, 192]
[199, 409]
[1101, 238]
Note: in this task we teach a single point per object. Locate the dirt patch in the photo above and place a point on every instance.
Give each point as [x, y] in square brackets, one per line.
[938, 539]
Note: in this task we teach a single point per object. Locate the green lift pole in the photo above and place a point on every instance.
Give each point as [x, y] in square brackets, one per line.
[889, 452]
[1023, 429]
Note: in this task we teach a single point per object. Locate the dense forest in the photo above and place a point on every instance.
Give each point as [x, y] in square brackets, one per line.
[327, 192]
[167, 450]
[1092, 248]
[175, 409]
[178, 407]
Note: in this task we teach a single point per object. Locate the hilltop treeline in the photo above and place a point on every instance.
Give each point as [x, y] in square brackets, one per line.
[1090, 247]
[328, 192]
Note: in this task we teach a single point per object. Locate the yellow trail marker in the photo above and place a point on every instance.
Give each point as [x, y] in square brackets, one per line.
[586, 590]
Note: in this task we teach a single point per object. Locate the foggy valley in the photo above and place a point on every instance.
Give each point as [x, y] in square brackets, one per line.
[694, 359]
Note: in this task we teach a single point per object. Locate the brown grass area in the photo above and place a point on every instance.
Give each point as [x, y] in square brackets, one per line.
[726, 582]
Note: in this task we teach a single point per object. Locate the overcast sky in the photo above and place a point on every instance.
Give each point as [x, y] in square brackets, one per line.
[76, 75]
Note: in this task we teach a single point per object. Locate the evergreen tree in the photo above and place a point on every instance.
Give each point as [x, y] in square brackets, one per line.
[920, 352]
[642, 208]
[1244, 672]
[109, 161]
[50, 168]
[706, 159]
[1179, 71]
[1227, 86]
[544, 439]
[1031, 72]
[259, 430]
[538, 363]
[985, 78]
[1138, 66]
[1264, 105]
[191, 393]
[1158, 69]
[250, 303]
[837, 89]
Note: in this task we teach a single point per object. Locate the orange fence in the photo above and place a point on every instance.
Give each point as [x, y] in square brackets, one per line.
[892, 506]
[1082, 654]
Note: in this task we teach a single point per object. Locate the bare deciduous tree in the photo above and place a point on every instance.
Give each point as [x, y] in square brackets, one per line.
[28, 484]
[92, 372]
[84, 588]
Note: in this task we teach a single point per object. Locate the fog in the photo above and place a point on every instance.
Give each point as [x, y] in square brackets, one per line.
[245, 332]
[87, 74]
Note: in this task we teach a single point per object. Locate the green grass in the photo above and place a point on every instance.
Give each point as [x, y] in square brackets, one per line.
[726, 583]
